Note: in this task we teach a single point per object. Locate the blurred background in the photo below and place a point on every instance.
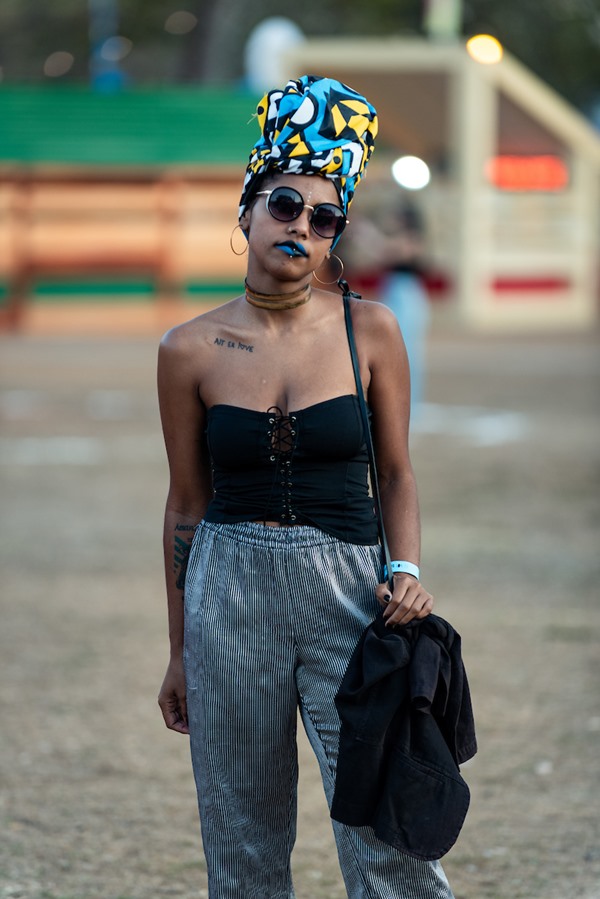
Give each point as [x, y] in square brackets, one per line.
[125, 128]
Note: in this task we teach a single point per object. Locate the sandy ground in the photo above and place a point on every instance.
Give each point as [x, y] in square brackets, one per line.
[97, 797]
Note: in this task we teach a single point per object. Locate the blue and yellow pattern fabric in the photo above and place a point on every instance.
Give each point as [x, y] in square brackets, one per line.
[313, 126]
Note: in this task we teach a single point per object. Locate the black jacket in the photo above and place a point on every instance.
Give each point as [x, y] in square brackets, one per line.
[407, 723]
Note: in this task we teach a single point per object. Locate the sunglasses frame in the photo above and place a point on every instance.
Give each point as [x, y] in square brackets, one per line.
[342, 220]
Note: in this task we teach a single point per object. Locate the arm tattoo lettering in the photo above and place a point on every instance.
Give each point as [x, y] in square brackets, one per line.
[234, 344]
[181, 554]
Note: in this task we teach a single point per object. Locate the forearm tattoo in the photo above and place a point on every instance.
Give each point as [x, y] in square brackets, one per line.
[181, 552]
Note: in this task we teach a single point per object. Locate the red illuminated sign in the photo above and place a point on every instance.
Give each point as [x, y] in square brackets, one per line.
[528, 173]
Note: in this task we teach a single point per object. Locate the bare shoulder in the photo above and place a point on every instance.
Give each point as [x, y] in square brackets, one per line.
[185, 341]
[374, 322]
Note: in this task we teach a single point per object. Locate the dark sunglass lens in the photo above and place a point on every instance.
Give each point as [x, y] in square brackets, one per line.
[328, 221]
[285, 204]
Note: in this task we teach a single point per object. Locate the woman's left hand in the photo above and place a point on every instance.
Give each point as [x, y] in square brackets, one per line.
[408, 600]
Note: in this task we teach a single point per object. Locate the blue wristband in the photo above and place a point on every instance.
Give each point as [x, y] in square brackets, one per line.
[403, 567]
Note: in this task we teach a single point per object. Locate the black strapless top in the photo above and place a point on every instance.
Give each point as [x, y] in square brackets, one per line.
[309, 467]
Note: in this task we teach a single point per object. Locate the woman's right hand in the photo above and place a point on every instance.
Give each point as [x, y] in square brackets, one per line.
[172, 698]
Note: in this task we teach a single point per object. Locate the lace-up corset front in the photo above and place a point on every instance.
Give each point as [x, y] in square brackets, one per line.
[306, 467]
[282, 439]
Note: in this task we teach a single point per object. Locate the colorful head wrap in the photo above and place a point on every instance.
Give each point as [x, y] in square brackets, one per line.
[314, 126]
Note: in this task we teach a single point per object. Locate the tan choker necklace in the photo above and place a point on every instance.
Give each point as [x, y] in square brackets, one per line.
[278, 301]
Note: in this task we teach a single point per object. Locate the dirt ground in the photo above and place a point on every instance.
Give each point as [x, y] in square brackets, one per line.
[97, 799]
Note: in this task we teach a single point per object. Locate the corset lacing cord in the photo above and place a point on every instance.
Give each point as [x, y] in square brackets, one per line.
[282, 441]
[282, 432]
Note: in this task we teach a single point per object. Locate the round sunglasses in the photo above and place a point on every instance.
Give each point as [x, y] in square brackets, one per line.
[286, 204]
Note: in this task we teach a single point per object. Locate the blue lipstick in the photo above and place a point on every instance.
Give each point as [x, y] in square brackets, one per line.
[291, 248]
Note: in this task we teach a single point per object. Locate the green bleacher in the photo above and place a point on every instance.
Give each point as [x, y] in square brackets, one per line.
[142, 127]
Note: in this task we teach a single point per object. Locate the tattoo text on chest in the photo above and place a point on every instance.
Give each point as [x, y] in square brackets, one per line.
[233, 344]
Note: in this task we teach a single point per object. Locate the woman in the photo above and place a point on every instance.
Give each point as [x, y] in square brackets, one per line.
[269, 525]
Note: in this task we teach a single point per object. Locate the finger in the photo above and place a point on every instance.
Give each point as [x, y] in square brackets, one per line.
[383, 594]
[174, 712]
[403, 596]
[184, 713]
[180, 727]
[175, 721]
[419, 609]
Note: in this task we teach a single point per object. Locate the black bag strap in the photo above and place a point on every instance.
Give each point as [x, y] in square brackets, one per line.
[347, 294]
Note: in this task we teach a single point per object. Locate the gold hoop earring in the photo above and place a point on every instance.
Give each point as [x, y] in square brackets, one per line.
[335, 280]
[233, 250]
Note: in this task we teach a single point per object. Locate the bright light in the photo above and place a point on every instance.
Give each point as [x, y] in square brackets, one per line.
[485, 49]
[58, 64]
[115, 48]
[411, 172]
[181, 22]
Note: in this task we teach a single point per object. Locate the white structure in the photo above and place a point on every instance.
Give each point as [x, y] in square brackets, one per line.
[512, 209]
[264, 50]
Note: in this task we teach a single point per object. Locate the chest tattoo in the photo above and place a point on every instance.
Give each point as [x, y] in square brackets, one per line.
[233, 344]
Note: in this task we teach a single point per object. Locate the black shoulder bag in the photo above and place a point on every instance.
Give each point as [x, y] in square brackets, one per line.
[347, 294]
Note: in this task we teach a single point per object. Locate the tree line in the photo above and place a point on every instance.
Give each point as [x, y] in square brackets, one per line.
[558, 39]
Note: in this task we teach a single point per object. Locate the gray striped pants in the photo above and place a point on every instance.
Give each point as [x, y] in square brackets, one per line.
[271, 618]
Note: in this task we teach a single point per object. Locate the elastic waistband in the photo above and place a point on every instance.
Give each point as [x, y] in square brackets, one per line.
[255, 534]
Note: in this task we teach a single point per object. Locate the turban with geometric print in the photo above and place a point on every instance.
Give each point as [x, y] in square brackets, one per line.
[314, 126]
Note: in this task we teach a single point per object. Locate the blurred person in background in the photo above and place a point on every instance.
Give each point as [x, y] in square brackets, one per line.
[389, 257]
[404, 290]
[273, 564]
